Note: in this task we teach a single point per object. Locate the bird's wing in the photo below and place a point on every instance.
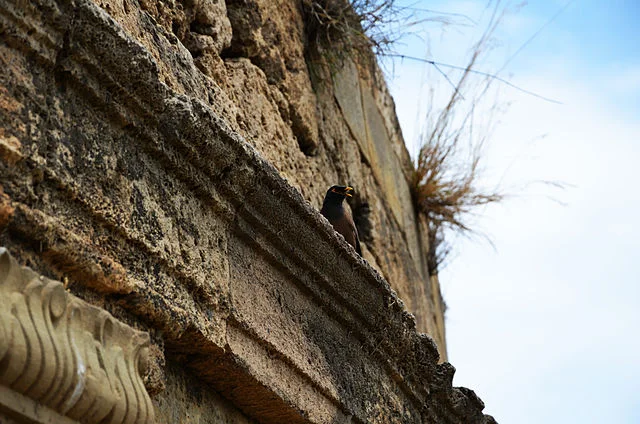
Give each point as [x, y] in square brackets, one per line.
[355, 240]
[342, 221]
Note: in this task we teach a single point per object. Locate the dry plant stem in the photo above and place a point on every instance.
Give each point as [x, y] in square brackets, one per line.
[445, 185]
[354, 29]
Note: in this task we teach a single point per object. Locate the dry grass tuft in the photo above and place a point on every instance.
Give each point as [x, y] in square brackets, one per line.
[351, 26]
[360, 30]
[445, 189]
[445, 184]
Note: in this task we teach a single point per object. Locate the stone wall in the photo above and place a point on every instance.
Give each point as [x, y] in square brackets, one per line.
[247, 60]
[165, 162]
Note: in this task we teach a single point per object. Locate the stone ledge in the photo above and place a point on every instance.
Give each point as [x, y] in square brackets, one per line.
[276, 311]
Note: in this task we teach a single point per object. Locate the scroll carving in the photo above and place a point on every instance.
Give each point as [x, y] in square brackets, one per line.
[72, 357]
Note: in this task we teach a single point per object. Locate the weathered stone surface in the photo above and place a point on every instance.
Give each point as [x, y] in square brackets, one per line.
[277, 114]
[187, 400]
[134, 184]
[349, 96]
[270, 34]
[64, 360]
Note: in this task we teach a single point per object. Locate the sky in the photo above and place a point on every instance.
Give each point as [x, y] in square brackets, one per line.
[545, 324]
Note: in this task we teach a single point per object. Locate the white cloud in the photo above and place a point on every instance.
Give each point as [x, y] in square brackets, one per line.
[554, 308]
[544, 328]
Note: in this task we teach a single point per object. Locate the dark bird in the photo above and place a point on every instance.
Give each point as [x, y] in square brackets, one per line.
[340, 217]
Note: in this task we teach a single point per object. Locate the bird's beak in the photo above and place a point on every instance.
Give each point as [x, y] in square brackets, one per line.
[348, 191]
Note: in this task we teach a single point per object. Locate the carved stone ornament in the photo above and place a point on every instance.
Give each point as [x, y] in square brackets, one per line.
[63, 360]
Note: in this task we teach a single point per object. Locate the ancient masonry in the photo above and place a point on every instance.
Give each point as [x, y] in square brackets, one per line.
[163, 258]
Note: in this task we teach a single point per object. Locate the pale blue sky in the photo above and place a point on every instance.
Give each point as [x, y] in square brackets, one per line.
[546, 327]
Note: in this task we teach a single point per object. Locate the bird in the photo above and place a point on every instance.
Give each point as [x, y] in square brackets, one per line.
[340, 217]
